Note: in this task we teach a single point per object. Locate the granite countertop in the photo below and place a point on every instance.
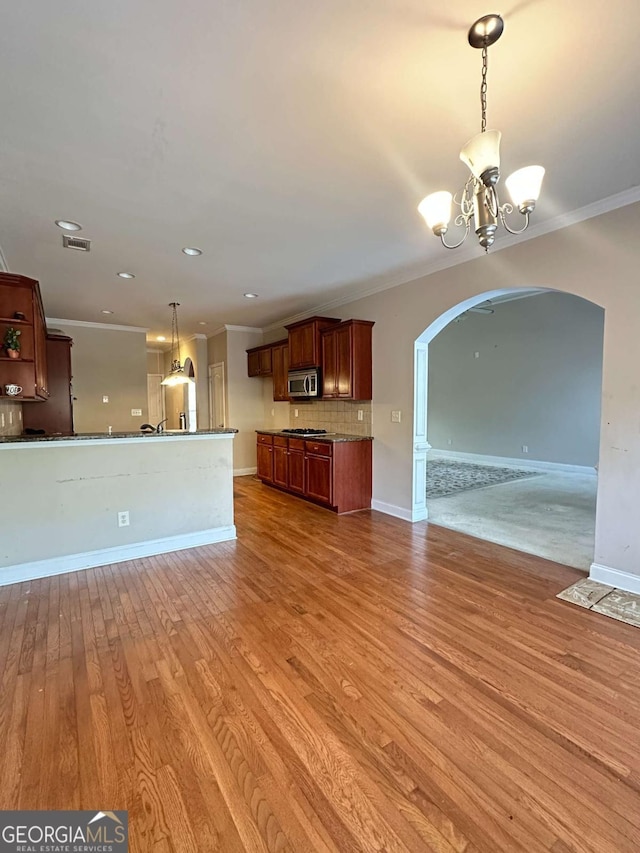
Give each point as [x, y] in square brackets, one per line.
[92, 436]
[330, 437]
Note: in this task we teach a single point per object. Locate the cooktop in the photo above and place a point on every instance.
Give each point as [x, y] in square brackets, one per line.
[306, 431]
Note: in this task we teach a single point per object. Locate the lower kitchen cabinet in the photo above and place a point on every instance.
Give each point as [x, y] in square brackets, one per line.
[264, 454]
[336, 474]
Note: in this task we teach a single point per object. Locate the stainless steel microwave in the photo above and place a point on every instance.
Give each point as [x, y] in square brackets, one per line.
[304, 383]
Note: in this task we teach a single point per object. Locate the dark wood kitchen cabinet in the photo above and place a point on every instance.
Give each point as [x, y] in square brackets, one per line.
[21, 308]
[304, 341]
[259, 361]
[335, 474]
[346, 361]
[264, 454]
[54, 415]
[280, 363]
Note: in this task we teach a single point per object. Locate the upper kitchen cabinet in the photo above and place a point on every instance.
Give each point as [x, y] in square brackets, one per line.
[21, 308]
[304, 341]
[346, 361]
[259, 361]
[55, 415]
[280, 362]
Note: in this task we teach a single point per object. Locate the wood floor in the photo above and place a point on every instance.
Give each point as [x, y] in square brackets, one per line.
[324, 684]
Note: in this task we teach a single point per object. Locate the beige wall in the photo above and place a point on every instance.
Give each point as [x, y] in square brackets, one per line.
[11, 424]
[171, 486]
[155, 361]
[597, 260]
[107, 362]
[245, 411]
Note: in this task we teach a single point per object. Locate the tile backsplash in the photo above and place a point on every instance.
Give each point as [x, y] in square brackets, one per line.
[332, 415]
[12, 413]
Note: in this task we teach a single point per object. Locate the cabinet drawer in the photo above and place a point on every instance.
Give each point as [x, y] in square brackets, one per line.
[265, 439]
[296, 444]
[319, 448]
[280, 441]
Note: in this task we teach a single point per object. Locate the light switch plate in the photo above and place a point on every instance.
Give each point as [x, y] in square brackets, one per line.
[136, 413]
[105, 399]
[396, 417]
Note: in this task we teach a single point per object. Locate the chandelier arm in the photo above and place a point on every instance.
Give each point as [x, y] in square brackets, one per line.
[466, 222]
[508, 208]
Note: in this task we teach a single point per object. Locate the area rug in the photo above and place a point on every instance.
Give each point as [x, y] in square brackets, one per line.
[448, 477]
[600, 598]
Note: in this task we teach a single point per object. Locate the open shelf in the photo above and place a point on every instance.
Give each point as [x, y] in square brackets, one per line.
[17, 360]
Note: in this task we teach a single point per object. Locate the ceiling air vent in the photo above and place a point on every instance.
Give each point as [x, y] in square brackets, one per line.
[81, 244]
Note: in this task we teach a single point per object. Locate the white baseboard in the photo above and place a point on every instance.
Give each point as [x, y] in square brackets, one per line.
[119, 554]
[614, 577]
[244, 472]
[508, 462]
[395, 511]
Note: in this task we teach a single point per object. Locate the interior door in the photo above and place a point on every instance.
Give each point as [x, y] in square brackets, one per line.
[155, 398]
[217, 395]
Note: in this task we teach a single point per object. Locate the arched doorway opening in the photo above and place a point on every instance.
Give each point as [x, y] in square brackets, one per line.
[539, 375]
[189, 403]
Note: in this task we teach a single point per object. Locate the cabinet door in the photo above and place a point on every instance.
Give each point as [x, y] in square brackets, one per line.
[296, 471]
[329, 364]
[344, 361]
[318, 478]
[281, 466]
[265, 462]
[253, 363]
[40, 346]
[280, 361]
[301, 349]
[265, 362]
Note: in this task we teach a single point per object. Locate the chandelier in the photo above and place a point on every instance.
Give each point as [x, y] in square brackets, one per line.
[176, 375]
[478, 200]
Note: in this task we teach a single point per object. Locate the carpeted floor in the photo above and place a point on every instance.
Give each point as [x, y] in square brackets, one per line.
[448, 476]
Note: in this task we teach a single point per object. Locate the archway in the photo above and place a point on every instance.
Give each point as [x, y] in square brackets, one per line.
[488, 422]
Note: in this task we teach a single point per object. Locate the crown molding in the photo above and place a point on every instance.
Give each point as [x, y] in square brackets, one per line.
[469, 252]
[195, 337]
[4, 266]
[87, 325]
[243, 329]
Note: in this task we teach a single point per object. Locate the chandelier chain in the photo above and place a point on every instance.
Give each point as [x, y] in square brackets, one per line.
[175, 336]
[483, 88]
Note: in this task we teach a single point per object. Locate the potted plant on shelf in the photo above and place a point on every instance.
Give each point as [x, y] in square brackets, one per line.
[12, 342]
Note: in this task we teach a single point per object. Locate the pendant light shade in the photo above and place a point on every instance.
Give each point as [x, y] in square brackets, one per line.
[524, 187]
[176, 375]
[436, 209]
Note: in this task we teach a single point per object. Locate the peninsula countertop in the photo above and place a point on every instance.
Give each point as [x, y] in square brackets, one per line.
[117, 436]
[328, 437]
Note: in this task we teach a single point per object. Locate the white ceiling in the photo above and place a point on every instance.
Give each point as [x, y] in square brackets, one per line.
[291, 140]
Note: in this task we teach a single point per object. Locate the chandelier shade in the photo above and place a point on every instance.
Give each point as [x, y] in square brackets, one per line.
[478, 201]
[436, 209]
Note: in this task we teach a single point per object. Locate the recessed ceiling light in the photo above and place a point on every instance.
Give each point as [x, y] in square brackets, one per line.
[126, 275]
[202, 322]
[161, 338]
[107, 312]
[191, 250]
[68, 225]
[250, 295]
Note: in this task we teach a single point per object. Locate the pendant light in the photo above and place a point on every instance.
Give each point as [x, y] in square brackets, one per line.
[176, 375]
[478, 200]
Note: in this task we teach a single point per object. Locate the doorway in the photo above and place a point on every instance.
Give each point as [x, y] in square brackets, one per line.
[217, 408]
[515, 413]
[155, 398]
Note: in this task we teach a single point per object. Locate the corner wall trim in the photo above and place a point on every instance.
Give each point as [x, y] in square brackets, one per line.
[107, 556]
[395, 511]
[244, 472]
[614, 577]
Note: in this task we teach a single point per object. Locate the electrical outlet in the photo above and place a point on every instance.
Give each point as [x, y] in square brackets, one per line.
[360, 414]
[476, 355]
[273, 413]
[396, 417]
[1, 420]
[136, 413]
[525, 448]
[449, 441]
[123, 518]
[10, 418]
[105, 399]
[295, 413]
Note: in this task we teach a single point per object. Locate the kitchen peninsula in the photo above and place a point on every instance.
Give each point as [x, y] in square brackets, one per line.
[80, 501]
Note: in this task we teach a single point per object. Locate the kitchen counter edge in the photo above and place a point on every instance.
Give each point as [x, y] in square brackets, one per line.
[330, 438]
[95, 437]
